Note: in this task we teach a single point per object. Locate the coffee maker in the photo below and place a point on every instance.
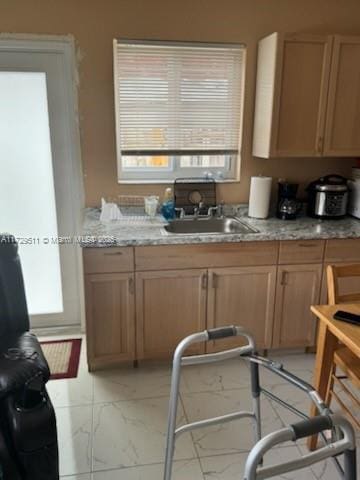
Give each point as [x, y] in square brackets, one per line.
[288, 207]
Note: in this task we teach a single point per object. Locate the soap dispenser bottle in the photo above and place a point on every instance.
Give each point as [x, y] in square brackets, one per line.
[168, 207]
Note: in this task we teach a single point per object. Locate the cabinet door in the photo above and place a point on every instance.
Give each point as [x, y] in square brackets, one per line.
[301, 92]
[169, 306]
[242, 296]
[342, 134]
[110, 318]
[298, 287]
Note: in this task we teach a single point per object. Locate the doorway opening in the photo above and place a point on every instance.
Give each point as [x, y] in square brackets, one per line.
[40, 183]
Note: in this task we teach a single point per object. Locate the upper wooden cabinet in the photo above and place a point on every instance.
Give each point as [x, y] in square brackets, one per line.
[307, 96]
[291, 91]
[342, 133]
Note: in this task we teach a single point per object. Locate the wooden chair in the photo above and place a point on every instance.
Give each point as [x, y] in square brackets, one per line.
[345, 360]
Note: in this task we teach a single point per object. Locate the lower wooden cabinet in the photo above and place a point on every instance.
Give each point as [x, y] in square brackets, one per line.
[242, 296]
[110, 318]
[140, 303]
[169, 306]
[298, 287]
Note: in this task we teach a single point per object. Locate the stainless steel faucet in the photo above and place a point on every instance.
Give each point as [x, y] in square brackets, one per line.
[197, 209]
[182, 212]
[212, 210]
[219, 209]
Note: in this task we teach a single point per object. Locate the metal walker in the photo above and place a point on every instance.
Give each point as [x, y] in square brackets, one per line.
[343, 438]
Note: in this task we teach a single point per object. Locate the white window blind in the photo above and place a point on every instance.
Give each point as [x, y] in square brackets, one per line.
[178, 100]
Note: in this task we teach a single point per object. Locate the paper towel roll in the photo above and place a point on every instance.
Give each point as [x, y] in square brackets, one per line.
[259, 200]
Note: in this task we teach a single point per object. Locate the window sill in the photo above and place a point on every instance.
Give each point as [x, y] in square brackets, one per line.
[168, 181]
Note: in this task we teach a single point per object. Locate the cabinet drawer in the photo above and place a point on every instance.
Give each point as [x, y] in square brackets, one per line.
[302, 251]
[170, 257]
[108, 260]
[347, 250]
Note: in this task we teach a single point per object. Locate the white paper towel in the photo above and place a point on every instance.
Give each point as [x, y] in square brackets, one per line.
[259, 200]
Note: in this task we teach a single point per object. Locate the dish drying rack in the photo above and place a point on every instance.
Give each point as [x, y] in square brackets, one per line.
[132, 208]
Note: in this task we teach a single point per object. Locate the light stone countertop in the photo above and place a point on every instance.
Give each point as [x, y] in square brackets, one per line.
[146, 232]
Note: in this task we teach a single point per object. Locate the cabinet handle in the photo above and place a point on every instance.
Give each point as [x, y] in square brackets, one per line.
[131, 286]
[283, 280]
[320, 144]
[214, 280]
[204, 281]
[307, 245]
[112, 253]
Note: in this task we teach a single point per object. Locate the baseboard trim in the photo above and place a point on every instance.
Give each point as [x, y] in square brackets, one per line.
[58, 331]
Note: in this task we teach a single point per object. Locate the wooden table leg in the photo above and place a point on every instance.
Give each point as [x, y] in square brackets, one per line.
[326, 345]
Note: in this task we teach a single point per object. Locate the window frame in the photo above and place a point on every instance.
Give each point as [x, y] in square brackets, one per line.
[230, 173]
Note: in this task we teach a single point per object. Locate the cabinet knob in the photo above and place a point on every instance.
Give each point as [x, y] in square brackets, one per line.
[320, 144]
[283, 280]
[204, 281]
[131, 286]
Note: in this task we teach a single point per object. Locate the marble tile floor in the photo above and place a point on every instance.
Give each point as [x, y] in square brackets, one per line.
[112, 424]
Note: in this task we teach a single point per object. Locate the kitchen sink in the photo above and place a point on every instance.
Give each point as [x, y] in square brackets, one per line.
[208, 225]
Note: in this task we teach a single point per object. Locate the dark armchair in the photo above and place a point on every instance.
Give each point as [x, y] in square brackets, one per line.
[28, 437]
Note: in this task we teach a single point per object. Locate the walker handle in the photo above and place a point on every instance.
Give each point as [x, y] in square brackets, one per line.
[346, 445]
[221, 332]
[210, 335]
[312, 426]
